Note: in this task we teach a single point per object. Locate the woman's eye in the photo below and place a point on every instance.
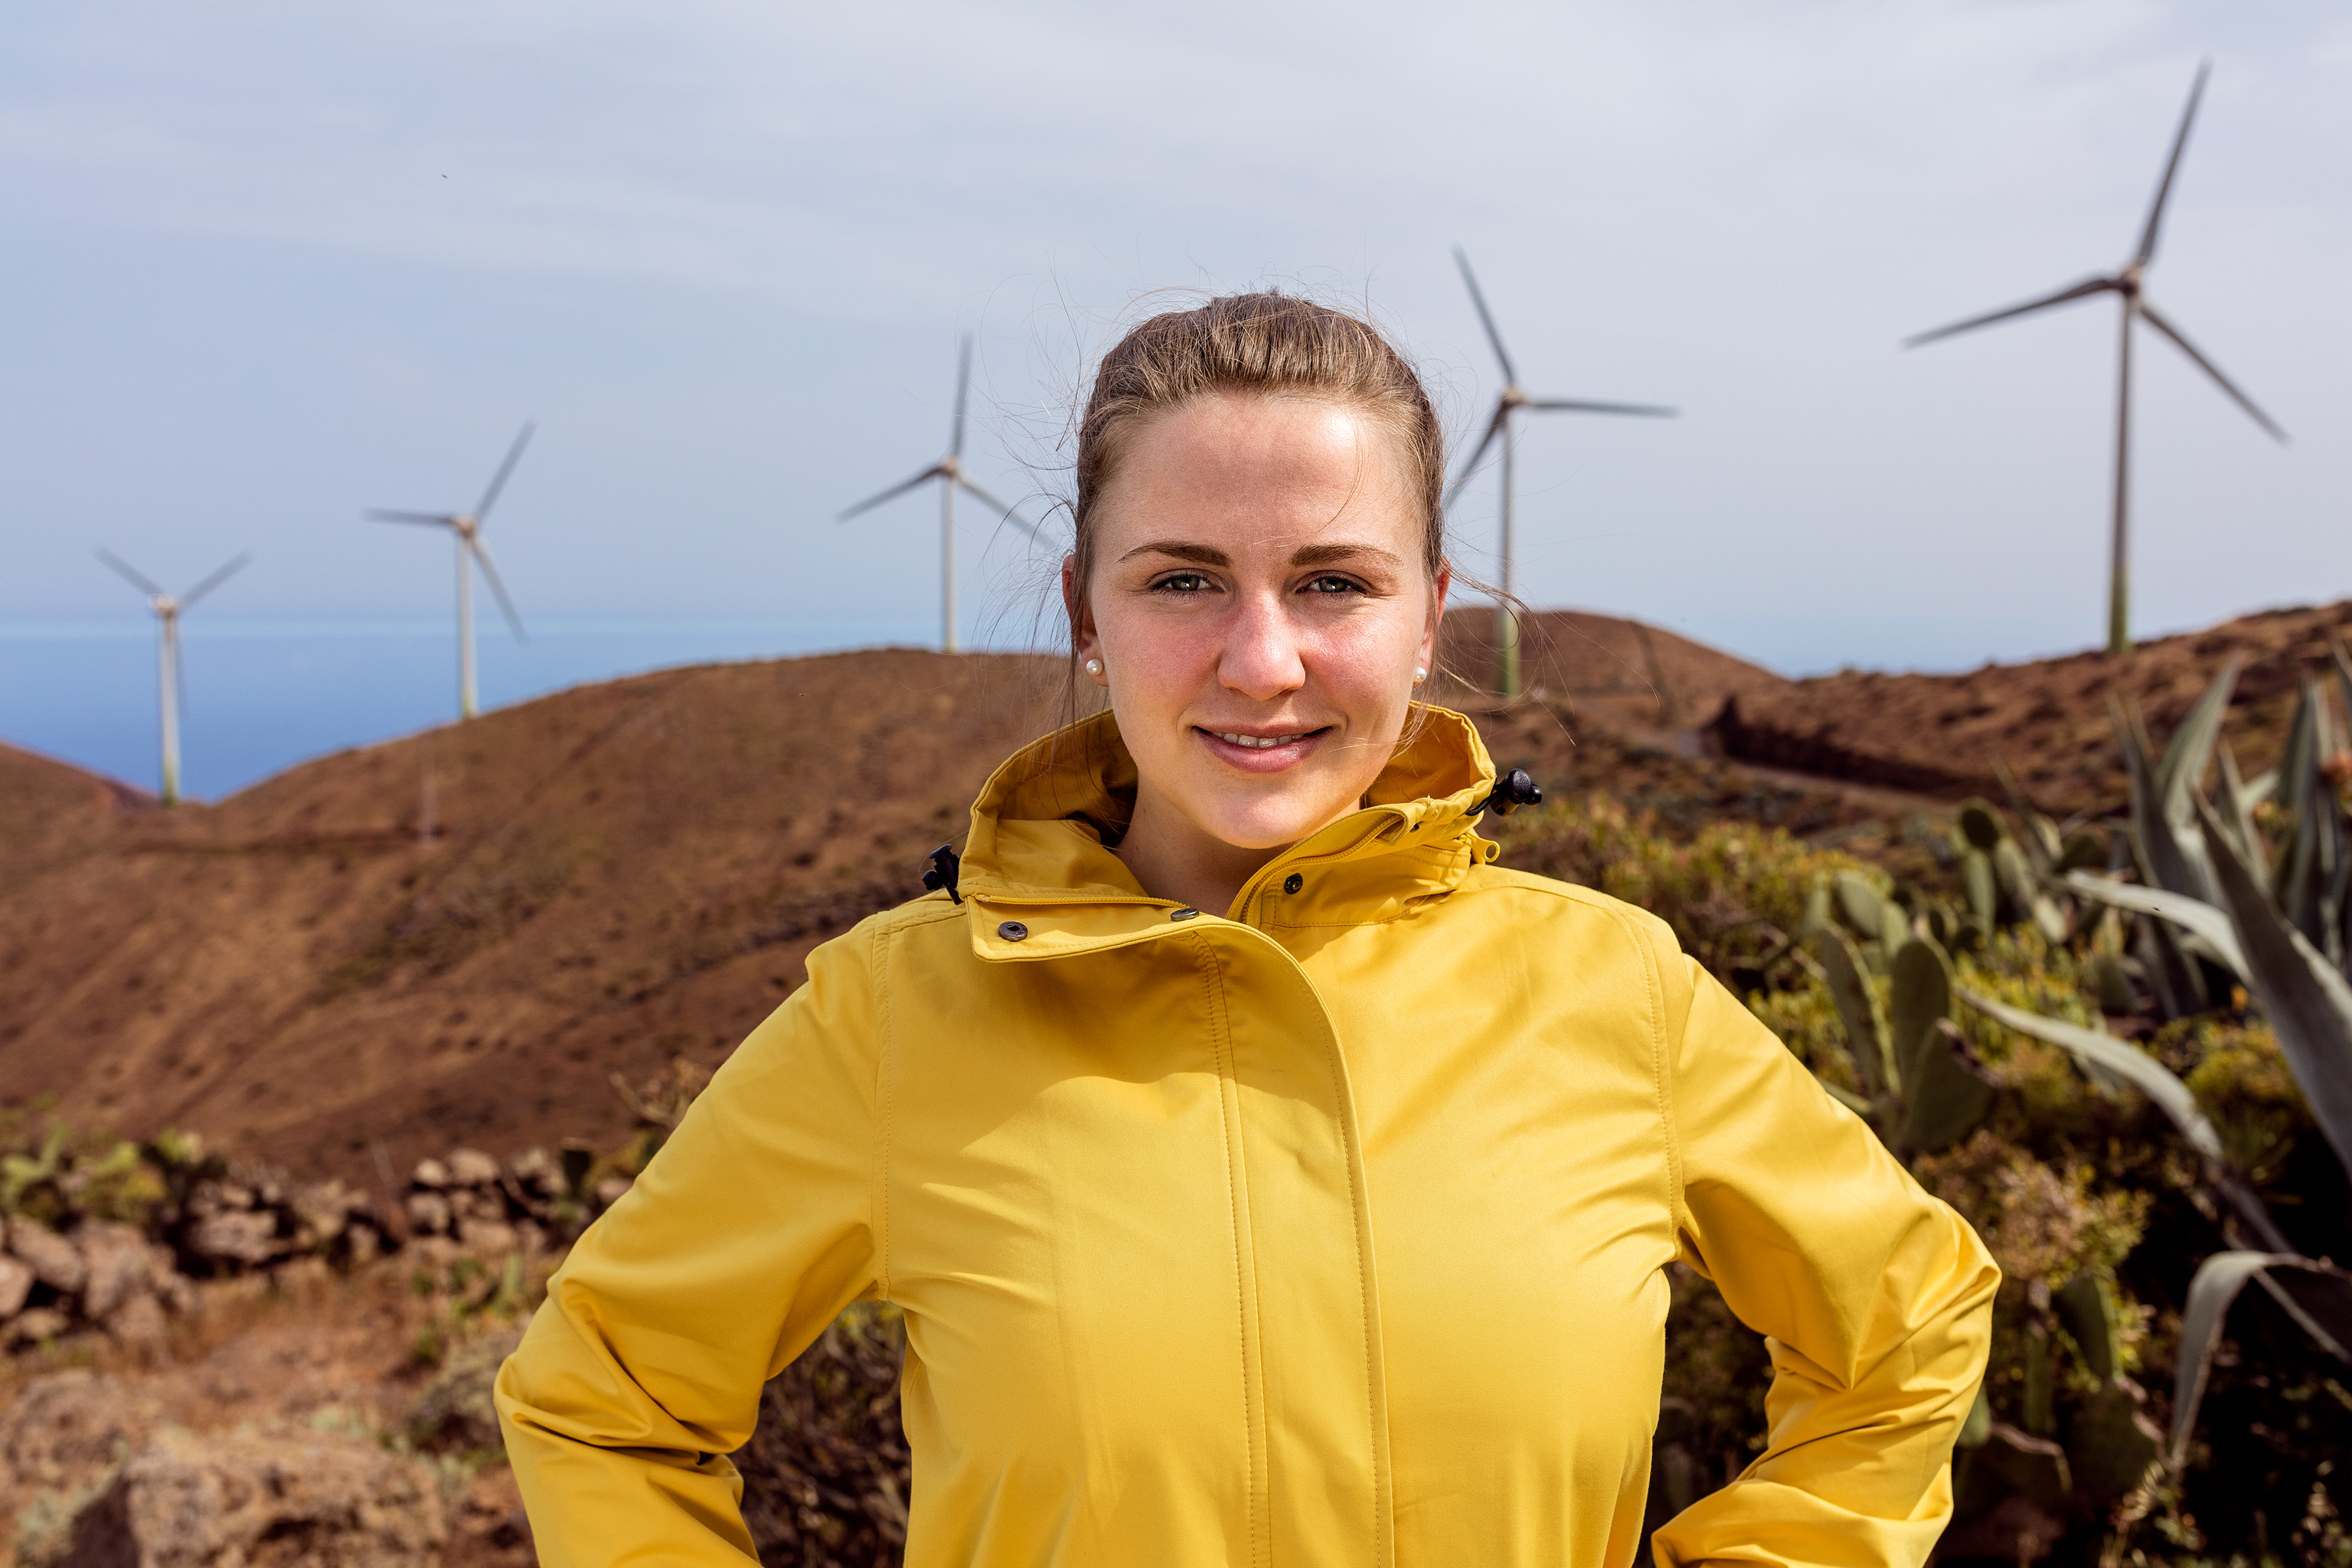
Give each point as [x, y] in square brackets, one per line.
[1182, 583]
[1333, 586]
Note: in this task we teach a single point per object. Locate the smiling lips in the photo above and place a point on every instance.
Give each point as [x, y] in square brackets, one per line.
[1262, 753]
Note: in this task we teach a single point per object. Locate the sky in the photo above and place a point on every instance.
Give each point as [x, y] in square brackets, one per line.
[270, 264]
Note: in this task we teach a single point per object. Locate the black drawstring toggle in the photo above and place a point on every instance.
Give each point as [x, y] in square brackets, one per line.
[1512, 790]
[945, 865]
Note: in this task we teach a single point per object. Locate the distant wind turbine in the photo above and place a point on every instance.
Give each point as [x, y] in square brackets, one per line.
[1513, 398]
[2127, 284]
[169, 684]
[949, 472]
[471, 552]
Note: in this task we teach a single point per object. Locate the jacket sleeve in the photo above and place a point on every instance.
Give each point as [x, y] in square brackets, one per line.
[1876, 1298]
[743, 1237]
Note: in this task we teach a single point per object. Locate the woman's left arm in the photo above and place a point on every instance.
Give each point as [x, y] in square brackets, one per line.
[1876, 1300]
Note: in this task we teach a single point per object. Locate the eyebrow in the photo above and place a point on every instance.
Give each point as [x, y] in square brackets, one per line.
[1307, 555]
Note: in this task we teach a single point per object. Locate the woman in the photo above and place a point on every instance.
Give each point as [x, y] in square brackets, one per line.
[1265, 1177]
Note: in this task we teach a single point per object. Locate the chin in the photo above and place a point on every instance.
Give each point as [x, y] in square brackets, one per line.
[1273, 824]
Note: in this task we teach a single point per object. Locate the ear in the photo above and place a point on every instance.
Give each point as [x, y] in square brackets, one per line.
[1436, 622]
[1085, 642]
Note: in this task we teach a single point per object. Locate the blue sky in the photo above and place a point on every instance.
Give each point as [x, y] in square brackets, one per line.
[272, 264]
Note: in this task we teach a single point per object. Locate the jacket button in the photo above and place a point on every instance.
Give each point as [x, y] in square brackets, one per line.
[1012, 930]
[1292, 882]
[1181, 914]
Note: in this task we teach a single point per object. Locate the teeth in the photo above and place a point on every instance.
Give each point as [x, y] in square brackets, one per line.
[1258, 743]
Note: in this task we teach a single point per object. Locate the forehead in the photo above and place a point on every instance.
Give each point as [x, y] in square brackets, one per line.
[1235, 467]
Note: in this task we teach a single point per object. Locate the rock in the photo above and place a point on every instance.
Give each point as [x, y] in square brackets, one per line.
[15, 1284]
[235, 1235]
[491, 1237]
[428, 1213]
[56, 1261]
[138, 1321]
[322, 1213]
[430, 1173]
[538, 1171]
[250, 1498]
[40, 1324]
[472, 1168]
[61, 1439]
[117, 1267]
[66, 1429]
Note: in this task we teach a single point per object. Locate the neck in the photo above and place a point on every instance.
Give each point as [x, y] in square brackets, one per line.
[1171, 858]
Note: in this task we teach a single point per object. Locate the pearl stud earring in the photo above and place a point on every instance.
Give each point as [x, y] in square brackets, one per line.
[1094, 667]
[1419, 675]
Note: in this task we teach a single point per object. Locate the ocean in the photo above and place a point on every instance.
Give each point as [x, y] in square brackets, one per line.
[262, 696]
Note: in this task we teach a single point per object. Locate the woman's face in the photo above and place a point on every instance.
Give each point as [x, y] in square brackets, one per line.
[1259, 607]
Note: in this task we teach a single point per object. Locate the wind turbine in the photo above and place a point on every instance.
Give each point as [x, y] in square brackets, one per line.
[471, 552]
[2128, 285]
[949, 472]
[1513, 398]
[169, 685]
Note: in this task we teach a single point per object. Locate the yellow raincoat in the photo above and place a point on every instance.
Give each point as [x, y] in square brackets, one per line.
[1328, 1229]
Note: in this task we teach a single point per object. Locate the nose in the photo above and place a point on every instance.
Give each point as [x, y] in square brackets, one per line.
[1263, 659]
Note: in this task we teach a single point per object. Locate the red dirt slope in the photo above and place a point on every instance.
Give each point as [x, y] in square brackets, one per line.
[1939, 734]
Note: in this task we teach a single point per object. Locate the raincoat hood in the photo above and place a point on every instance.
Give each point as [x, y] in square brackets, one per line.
[1039, 851]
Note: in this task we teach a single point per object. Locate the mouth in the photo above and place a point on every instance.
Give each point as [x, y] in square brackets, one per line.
[1262, 752]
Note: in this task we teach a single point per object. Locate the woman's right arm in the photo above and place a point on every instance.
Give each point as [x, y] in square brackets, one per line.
[753, 1227]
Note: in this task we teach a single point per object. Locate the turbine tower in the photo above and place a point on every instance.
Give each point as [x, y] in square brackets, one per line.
[1513, 398]
[949, 472]
[467, 526]
[169, 686]
[2128, 285]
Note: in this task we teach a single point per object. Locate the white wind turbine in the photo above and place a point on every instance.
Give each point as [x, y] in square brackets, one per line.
[169, 685]
[1513, 398]
[471, 552]
[2125, 284]
[949, 472]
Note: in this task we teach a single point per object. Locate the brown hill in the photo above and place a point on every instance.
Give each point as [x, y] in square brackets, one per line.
[1626, 673]
[461, 935]
[2048, 720]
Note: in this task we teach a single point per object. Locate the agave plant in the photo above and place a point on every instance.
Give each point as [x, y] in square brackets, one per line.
[2212, 903]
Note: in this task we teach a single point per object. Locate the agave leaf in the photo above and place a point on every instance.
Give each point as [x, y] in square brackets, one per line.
[1865, 1030]
[2165, 861]
[2182, 772]
[1920, 993]
[2306, 999]
[1947, 1095]
[2306, 873]
[2135, 1066]
[2215, 1285]
[2193, 915]
[2238, 814]
[2041, 838]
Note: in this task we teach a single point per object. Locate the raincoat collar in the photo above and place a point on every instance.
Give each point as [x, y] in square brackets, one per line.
[1038, 853]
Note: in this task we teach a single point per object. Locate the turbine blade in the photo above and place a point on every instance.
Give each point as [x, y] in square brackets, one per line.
[490, 575]
[2172, 167]
[963, 382]
[130, 573]
[1478, 452]
[2156, 321]
[2082, 290]
[1485, 318]
[1575, 406]
[498, 481]
[1011, 516]
[870, 502]
[378, 514]
[244, 559]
